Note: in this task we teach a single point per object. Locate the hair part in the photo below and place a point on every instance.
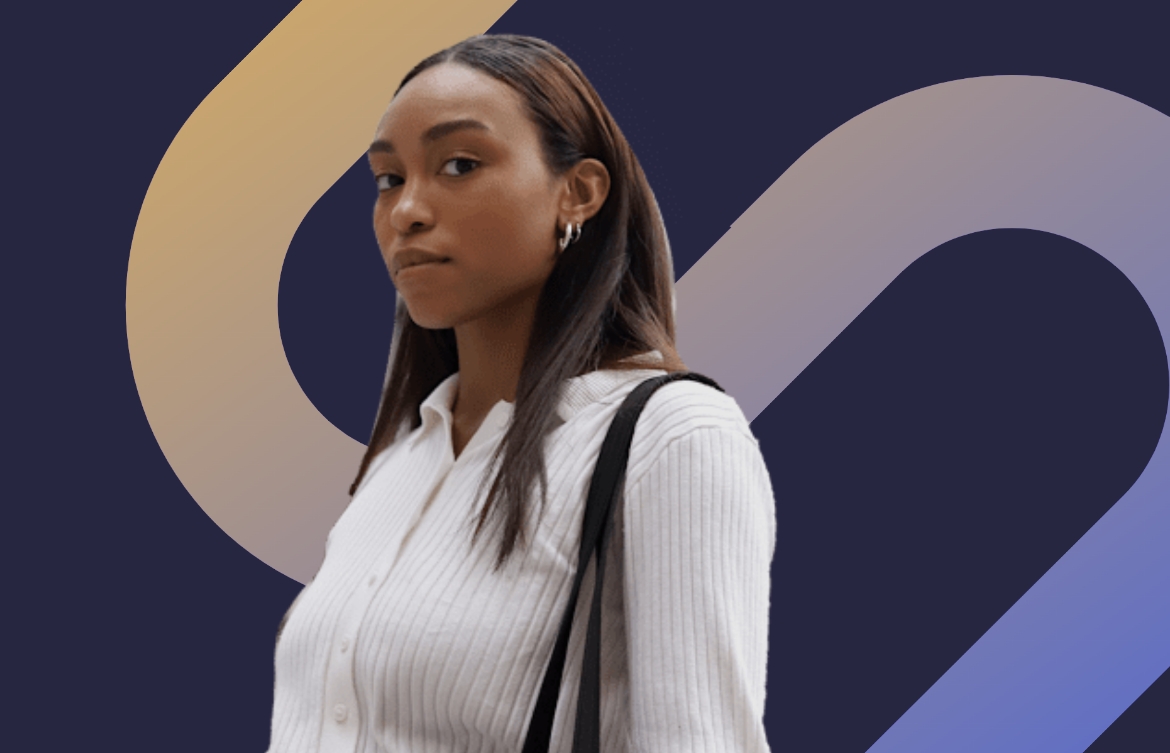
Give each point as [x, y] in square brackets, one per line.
[609, 297]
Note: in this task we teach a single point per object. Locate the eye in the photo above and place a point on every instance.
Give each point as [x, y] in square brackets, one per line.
[387, 181]
[459, 166]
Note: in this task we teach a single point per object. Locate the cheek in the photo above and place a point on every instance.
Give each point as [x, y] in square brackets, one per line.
[511, 227]
[381, 220]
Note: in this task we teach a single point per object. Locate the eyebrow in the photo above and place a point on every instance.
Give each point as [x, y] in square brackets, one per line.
[434, 133]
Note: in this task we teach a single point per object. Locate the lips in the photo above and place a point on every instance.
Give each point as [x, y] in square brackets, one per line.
[410, 257]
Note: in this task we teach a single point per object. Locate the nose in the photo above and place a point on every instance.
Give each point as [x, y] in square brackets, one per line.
[411, 212]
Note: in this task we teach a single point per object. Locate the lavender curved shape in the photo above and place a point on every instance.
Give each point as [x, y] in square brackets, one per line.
[839, 225]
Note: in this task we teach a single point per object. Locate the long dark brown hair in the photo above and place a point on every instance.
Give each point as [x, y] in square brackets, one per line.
[608, 298]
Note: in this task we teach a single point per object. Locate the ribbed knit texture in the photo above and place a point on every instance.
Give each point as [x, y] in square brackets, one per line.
[406, 641]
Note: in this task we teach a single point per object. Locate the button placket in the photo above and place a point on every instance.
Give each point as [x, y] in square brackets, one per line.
[341, 728]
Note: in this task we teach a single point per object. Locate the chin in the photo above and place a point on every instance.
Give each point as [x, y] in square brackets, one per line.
[431, 319]
[431, 322]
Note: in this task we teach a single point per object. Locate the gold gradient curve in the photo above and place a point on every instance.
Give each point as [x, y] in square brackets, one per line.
[205, 263]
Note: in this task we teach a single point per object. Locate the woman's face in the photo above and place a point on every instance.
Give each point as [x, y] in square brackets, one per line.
[461, 176]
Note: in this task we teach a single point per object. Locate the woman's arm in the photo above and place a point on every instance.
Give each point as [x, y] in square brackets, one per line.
[699, 535]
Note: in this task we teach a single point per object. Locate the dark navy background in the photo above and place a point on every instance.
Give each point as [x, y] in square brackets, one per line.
[929, 466]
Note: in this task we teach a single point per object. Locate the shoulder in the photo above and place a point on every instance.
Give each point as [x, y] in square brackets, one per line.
[678, 408]
[708, 421]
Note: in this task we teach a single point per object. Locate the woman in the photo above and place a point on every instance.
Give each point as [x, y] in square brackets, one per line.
[535, 290]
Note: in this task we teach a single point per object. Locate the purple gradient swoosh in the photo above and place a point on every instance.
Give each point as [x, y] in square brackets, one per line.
[839, 225]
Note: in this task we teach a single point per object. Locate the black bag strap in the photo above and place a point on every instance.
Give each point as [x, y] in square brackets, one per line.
[603, 489]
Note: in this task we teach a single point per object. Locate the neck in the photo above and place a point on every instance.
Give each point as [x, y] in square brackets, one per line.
[491, 352]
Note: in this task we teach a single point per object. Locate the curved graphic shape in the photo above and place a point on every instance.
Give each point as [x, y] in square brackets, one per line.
[201, 289]
[828, 236]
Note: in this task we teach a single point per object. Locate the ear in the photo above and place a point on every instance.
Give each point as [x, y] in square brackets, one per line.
[586, 187]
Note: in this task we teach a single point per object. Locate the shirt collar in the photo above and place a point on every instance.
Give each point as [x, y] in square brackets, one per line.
[579, 392]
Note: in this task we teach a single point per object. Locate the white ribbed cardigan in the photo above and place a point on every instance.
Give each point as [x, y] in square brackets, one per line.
[407, 641]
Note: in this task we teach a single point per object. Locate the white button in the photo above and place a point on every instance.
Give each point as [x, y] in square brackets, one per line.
[340, 712]
[344, 644]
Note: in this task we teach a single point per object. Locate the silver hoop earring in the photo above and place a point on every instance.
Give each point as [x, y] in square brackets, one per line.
[571, 235]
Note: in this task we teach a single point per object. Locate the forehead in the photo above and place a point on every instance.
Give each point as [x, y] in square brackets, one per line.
[450, 91]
